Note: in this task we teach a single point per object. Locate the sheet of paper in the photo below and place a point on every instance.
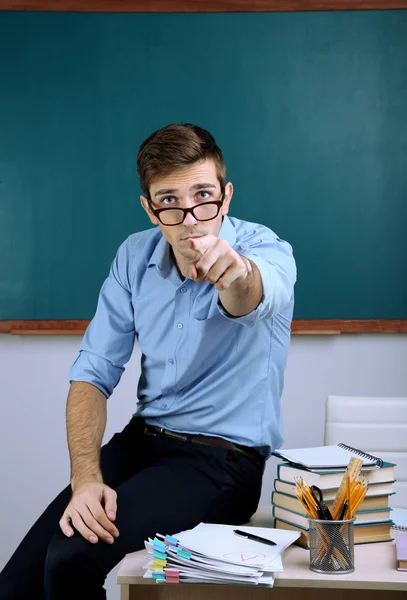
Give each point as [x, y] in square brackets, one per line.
[219, 542]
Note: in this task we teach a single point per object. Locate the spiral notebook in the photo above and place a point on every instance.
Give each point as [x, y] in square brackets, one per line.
[328, 457]
[399, 518]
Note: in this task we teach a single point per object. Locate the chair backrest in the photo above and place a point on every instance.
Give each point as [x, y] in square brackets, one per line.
[375, 425]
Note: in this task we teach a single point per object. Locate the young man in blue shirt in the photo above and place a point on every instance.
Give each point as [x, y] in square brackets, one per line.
[210, 300]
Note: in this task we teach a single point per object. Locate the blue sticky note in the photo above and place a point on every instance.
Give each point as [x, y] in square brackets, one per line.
[158, 554]
[184, 554]
[171, 540]
[157, 542]
[158, 549]
[158, 575]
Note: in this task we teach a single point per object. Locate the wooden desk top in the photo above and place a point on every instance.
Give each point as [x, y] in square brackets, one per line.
[375, 567]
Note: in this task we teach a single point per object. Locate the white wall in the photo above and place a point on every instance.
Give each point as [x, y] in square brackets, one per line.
[33, 382]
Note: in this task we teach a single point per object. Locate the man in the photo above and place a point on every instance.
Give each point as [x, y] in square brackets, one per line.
[210, 300]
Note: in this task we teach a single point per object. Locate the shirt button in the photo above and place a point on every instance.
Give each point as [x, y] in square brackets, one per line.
[171, 361]
[183, 290]
[180, 326]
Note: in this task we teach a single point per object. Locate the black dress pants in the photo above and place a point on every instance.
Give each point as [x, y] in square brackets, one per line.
[163, 485]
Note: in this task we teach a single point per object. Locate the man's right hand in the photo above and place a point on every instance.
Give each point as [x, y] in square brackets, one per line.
[91, 511]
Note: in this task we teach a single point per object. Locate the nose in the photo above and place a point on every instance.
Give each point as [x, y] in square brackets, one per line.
[190, 219]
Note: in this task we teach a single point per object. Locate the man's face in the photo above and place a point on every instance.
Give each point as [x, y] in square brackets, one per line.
[185, 188]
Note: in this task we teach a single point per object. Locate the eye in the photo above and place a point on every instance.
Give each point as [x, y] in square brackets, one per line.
[204, 195]
[170, 199]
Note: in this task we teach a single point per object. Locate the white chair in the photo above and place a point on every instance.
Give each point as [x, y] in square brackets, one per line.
[377, 426]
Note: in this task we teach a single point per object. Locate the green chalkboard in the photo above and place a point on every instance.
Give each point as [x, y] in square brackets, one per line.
[310, 110]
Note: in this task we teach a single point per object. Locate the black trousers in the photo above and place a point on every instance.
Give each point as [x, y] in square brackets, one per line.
[163, 485]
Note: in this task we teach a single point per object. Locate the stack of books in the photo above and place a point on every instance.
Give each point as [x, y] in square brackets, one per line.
[324, 467]
[218, 554]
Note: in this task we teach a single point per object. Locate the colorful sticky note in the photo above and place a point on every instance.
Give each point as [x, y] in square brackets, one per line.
[157, 554]
[184, 554]
[171, 540]
[158, 576]
[154, 567]
[159, 561]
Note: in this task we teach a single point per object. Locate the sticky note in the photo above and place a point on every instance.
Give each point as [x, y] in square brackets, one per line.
[159, 561]
[184, 554]
[171, 540]
[154, 567]
[158, 576]
[157, 542]
[162, 555]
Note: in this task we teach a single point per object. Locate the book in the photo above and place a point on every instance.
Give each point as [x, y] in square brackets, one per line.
[399, 517]
[328, 457]
[401, 551]
[373, 491]
[373, 505]
[326, 479]
[366, 517]
[364, 534]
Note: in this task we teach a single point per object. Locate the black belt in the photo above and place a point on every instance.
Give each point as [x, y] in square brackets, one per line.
[206, 440]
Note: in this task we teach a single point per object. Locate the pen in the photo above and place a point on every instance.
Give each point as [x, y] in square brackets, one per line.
[343, 510]
[255, 538]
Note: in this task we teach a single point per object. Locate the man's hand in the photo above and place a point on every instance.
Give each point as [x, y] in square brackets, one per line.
[91, 511]
[217, 263]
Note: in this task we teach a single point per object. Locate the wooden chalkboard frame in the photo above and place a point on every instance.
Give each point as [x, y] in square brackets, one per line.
[198, 5]
[299, 326]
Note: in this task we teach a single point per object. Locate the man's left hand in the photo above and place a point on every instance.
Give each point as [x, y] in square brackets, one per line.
[217, 263]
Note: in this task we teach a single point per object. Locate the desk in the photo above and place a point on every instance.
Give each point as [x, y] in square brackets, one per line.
[375, 578]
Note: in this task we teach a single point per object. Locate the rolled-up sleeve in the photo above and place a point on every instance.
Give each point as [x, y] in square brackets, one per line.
[109, 339]
[275, 261]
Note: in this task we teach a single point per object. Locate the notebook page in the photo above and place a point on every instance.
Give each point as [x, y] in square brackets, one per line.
[322, 457]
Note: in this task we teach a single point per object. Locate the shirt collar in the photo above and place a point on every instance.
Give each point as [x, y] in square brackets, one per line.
[227, 231]
[161, 257]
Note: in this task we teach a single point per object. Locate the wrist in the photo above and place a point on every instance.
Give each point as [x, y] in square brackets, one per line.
[79, 481]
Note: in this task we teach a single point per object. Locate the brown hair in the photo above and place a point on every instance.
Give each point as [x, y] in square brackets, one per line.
[175, 146]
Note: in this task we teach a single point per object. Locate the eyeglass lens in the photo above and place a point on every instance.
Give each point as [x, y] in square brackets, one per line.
[203, 212]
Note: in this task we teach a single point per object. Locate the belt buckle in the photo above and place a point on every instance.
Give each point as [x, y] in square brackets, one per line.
[154, 434]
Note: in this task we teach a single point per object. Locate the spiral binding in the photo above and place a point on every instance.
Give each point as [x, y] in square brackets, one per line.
[399, 527]
[378, 460]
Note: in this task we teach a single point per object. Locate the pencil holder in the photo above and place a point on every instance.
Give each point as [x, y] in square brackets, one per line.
[331, 546]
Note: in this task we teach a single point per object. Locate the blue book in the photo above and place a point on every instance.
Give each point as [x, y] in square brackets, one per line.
[366, 517]
[365, 533]
[329, 479]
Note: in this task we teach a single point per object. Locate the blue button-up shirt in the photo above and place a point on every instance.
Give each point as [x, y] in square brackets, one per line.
[202, 370]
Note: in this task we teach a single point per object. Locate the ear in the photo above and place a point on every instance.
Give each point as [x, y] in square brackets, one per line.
[145, 205]
[227, 199]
